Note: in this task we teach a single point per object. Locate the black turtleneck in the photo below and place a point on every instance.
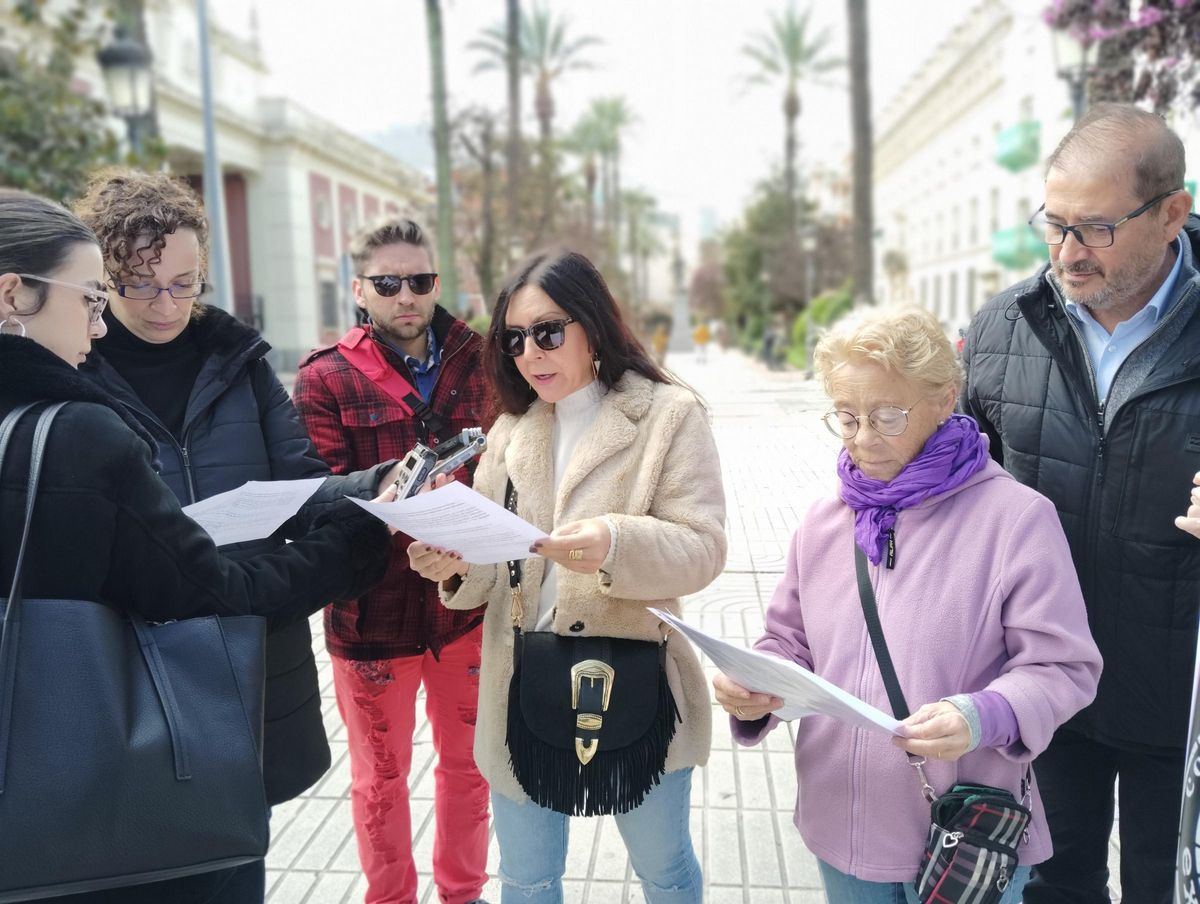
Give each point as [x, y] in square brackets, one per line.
[161, 374]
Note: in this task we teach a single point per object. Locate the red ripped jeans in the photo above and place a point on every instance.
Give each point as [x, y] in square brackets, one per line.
[377, 700]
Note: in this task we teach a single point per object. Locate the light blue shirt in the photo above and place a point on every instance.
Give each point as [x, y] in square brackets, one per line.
[1108, 352]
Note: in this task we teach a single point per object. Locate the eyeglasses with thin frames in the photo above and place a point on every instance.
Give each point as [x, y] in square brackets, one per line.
[546, 335]
[1090, 235]
[95, 299]
[886, 420]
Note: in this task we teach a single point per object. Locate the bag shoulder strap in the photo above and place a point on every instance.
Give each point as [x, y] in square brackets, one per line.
[866, 596]
[12, 613]
[365, 356]
[517, 608]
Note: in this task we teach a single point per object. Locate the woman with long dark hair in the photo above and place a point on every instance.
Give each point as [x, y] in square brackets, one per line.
[615, 461]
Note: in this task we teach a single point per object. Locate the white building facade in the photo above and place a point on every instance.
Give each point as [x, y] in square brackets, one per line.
[297, 187]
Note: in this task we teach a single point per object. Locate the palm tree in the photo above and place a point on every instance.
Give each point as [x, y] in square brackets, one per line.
[788, 51]
[613, 115]
[547, 52]
[640, 208]
[512, 68]
[588, 139]
[860, 114]
[441, 145]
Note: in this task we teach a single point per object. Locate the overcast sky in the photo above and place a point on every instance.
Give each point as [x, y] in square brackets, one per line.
[702, 140]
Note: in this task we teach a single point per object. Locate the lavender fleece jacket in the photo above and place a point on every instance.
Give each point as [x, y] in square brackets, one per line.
[983, 596]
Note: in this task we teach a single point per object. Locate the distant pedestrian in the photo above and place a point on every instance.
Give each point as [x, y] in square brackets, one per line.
[986, 628]
[701, 336]
[1087, 380]
[660, 343]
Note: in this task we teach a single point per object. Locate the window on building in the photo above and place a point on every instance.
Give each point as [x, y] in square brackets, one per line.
[972, 301]
[955, 228]
[329, 305]
[937, 295]
[952, 298]
[973, 222]
[1026, 108]
[924, 291]
[994, 219]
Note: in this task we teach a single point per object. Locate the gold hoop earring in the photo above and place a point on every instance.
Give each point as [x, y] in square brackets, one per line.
[7, 327]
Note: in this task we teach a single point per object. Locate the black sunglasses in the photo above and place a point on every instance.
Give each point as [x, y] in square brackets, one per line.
[388, 285]
[547, 335]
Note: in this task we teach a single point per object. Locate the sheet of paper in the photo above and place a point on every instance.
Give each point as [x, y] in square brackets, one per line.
[802, 692]
[254, 510]
[458, 518]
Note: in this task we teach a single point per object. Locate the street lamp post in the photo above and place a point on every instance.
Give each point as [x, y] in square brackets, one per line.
[1074, 66]
[128, 76]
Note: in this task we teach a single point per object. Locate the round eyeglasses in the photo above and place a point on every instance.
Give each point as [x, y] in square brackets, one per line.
[886, 420]
[546, 335]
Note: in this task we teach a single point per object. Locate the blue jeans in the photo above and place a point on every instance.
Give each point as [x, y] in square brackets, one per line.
[533, 846]
[843, 889]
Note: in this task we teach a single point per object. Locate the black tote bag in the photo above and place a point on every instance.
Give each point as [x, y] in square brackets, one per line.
[130, 752]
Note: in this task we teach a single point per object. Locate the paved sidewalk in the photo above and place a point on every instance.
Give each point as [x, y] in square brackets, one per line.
[776, 459]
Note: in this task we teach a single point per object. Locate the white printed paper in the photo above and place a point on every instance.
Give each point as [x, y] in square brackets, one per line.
[803, 693]
[457, 518]
[253, 511]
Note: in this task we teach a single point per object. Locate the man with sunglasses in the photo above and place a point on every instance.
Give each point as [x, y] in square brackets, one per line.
[410, 373]
[1086, 378]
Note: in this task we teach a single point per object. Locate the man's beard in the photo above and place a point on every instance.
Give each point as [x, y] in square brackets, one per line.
[401, 332]
[1119, 284]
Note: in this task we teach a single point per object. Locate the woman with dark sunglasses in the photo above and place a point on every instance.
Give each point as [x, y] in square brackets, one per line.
[616, 462]
[199, 381]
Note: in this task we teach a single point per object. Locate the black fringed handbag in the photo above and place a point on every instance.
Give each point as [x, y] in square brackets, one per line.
[589, 718]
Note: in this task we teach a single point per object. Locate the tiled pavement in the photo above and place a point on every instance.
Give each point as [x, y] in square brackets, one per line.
[776, 459]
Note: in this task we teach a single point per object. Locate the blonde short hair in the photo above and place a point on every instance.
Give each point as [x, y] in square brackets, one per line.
[906, 340]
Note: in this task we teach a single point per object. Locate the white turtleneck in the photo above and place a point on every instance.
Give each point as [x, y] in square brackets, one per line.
[572, 417]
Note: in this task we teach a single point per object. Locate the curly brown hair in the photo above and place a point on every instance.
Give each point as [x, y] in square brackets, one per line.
[132, 213]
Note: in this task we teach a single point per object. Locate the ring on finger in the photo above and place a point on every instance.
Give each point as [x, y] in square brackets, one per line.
[740, 713]
[575, 554]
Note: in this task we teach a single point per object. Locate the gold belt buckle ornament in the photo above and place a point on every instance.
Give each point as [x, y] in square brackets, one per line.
[591, 670]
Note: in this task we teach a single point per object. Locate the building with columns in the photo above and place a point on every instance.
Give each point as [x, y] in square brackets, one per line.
[297, 186]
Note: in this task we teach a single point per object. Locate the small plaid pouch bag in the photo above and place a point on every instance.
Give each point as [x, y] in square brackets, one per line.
[971, 853]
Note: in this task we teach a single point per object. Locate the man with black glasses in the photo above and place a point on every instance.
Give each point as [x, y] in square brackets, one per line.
[409, 374]
[1086, 378]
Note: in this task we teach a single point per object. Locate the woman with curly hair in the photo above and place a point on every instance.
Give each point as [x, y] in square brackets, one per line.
[198, 380]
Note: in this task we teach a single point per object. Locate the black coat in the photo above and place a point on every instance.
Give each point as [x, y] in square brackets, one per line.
[107, 528]
[1118, 473]
[240, 425]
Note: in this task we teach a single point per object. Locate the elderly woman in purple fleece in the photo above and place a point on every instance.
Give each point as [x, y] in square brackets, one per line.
[978, 600]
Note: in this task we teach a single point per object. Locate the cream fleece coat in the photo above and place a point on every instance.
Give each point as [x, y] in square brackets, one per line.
[649, 463]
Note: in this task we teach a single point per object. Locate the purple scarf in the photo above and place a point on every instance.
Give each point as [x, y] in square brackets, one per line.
[955, 451]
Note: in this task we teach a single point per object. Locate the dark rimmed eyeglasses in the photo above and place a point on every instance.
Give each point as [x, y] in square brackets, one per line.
[151, 293]
[1090, 235]
[95, 299]
[886, 420]
[546, 335]
[388, 285]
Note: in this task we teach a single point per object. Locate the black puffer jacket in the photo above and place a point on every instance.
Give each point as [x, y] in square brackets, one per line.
[1118, 473]
[106, 528]
[240, 425]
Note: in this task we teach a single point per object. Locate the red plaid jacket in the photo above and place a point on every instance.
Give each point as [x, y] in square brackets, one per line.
[354, 425]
